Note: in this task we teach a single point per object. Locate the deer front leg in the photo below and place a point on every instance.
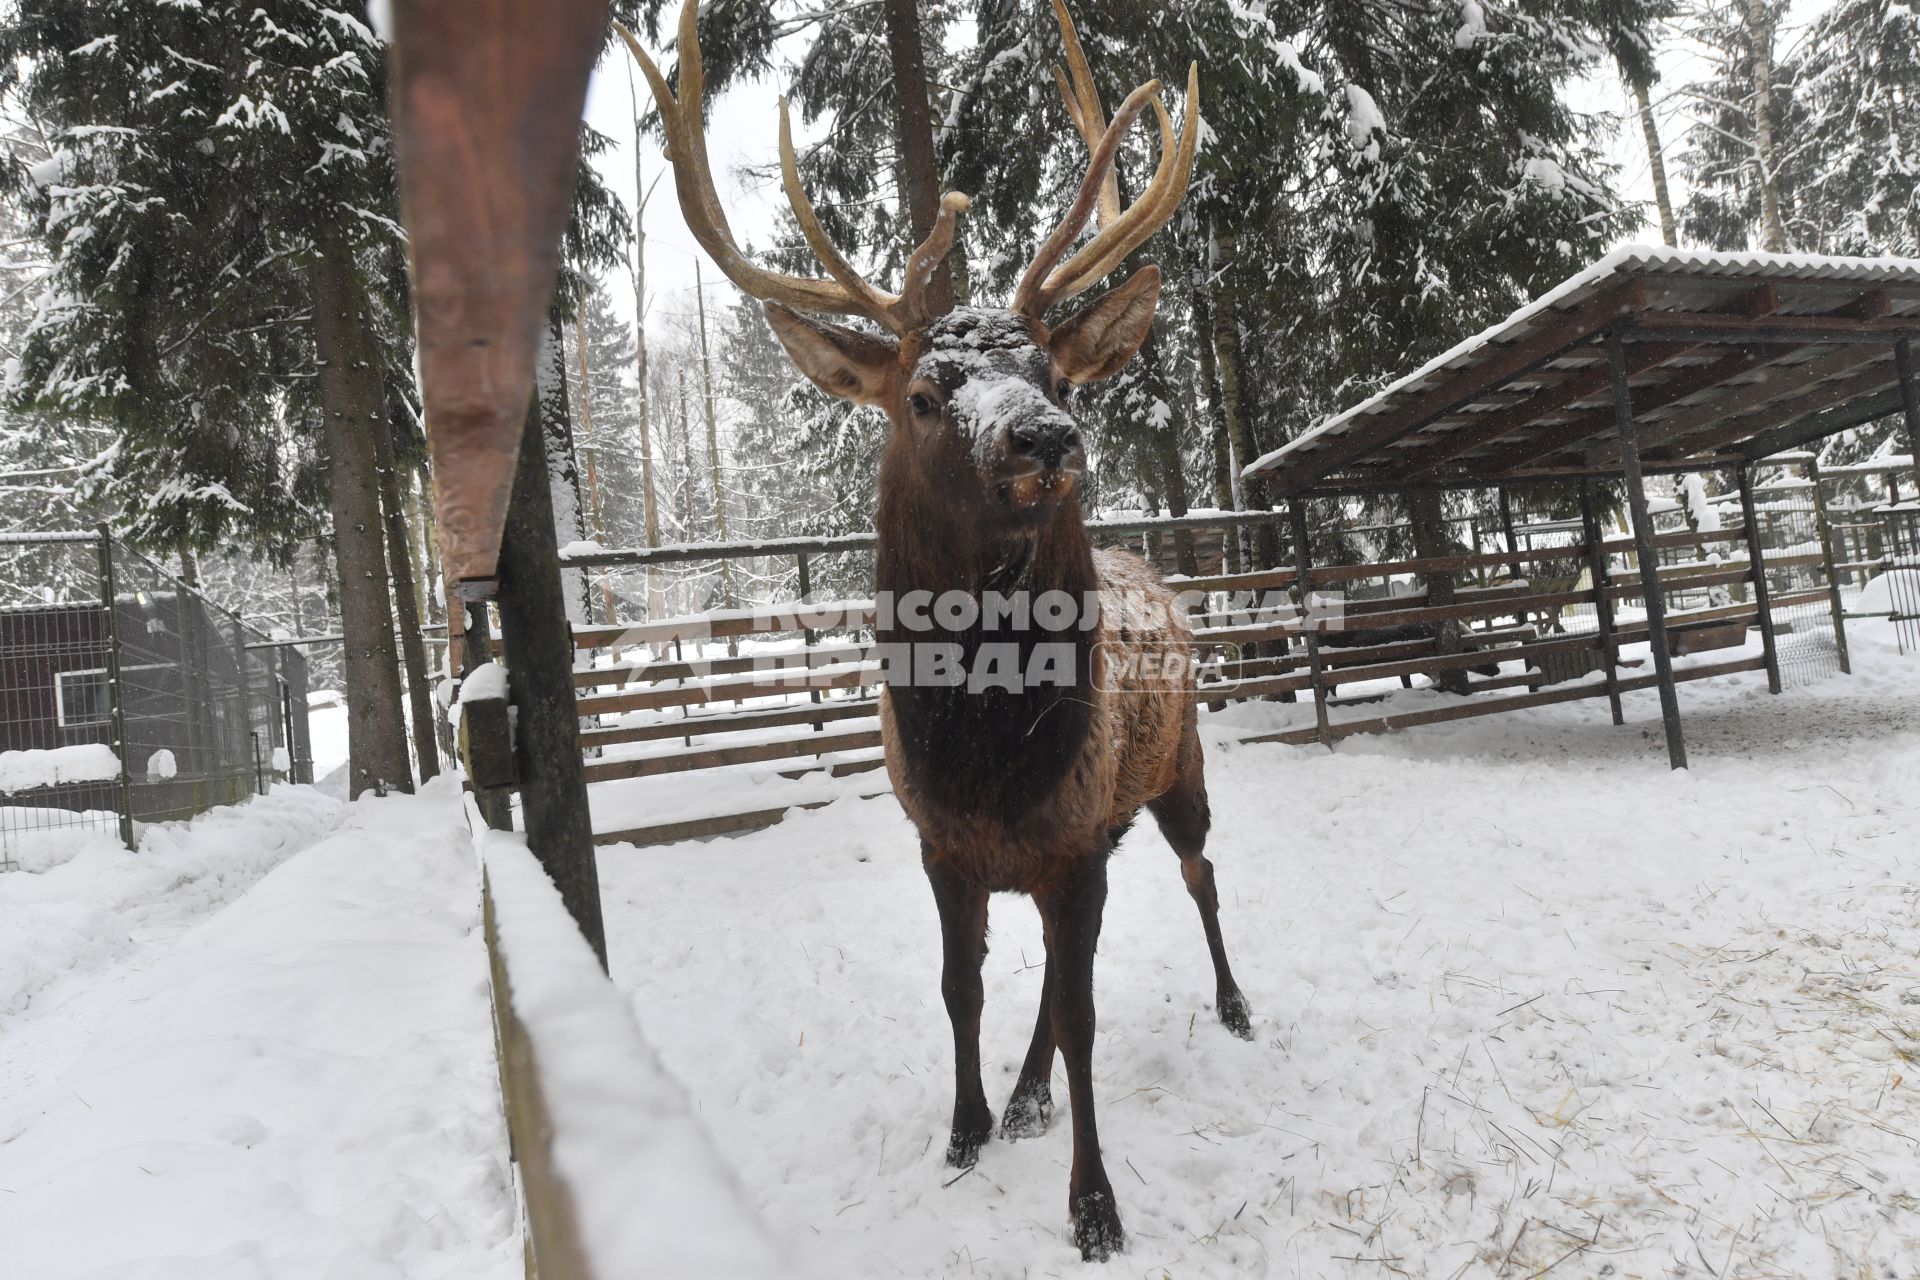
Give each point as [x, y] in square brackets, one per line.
[1031, 1106]
[963, 933]
[1071, 910]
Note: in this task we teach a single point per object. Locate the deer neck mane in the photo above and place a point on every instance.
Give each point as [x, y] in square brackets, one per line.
[985, 751]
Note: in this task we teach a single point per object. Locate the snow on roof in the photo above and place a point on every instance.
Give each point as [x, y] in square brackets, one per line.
[1632, 259]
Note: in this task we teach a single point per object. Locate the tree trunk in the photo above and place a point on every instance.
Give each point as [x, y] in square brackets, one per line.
[420, 516]
[1217, 441]
[413, 651]
[919, 170]
[563, 464]
[595, 525]
[1650, 130]
[656, 595]
[1760, 33]
[1429, 540]
[713, 441]
[189, 565]
[352, 402]
[1231, 368]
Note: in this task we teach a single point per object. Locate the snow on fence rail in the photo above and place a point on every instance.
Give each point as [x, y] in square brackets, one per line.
[618, 1178]
[57, 766]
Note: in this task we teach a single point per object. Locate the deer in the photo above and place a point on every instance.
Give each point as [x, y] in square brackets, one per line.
[1025, 787]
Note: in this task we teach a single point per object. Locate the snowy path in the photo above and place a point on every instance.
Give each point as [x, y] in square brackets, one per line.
[1526, 1003]
[262, 1060]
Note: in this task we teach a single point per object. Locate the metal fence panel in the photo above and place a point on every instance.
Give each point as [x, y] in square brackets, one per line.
[98, 644]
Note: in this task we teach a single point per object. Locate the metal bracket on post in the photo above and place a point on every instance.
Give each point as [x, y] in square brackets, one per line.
[1303, 560]
[1643, 549]
[1757, 567]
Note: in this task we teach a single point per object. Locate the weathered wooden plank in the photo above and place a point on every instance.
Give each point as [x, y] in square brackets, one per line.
[553, 1220]
[654, 698]
[732, 722]
[629, 672]
[778, 619]
[683, 761]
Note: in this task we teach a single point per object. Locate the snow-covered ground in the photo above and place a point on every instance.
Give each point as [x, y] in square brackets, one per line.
[259, 1047]
[1527, 1003]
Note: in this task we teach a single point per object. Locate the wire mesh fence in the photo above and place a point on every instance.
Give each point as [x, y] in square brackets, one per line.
[126, 697]
[1795, 551]
[1900, 571]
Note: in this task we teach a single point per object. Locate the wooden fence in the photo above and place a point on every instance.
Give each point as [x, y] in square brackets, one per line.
[794, 687]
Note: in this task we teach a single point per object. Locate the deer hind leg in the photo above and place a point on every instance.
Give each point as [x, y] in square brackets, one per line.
[1184, 820]
[963, 932]
[1031, 1106]
[1070, 909]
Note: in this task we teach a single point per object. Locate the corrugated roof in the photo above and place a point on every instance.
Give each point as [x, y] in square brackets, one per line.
[1625, 262]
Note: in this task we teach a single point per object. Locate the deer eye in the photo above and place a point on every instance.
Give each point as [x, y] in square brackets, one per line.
[1063, 389]
[920, 403]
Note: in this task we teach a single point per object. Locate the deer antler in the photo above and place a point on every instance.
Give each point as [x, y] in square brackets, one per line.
[847, 293]
[1120, 233]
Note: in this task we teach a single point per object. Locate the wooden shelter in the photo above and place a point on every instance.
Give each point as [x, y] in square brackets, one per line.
[1652, 360]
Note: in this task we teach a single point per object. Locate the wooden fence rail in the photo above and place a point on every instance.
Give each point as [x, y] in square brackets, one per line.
[791, 688]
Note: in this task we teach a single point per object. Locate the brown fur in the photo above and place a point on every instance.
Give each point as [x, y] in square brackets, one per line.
[1027, 789]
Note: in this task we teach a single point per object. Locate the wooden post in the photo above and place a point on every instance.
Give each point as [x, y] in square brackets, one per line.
[116, 692]
[539, 648]
[808, 636]
[1303, 561]
[1757, 566]
[1602, 574]
[1909, 401]
[1643, 550]
[1834, 604]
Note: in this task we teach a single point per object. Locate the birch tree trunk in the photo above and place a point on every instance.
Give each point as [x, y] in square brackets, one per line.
[1656, 161]
[713, 441]
[656, 595]
[1760, 33]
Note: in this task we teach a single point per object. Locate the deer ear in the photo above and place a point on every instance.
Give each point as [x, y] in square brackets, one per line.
[1098, 342]
[840, 361]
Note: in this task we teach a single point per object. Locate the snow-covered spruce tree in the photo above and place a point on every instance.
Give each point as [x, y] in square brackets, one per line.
[618, 515]
[1859, 86]
[44, 458]
[220, 205]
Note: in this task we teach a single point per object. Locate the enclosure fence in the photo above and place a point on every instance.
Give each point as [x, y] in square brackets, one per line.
[128, 697]
[1901, 569]
[721, 719]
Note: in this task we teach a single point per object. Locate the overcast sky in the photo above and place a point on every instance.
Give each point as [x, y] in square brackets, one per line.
[743, 130]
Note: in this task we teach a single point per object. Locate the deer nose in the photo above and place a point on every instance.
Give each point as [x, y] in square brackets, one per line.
[1045, 442]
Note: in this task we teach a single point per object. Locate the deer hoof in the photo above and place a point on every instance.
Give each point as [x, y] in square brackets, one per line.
[1028, 1112]
[1096, 1226]
[969, 1135]
[1235, 1014]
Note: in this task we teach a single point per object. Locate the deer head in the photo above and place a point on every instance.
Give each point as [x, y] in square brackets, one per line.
[979, 398]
